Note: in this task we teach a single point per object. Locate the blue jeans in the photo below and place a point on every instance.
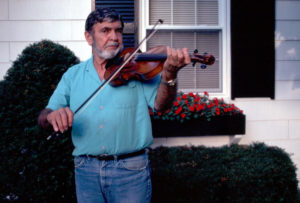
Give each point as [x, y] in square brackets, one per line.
[120, 181]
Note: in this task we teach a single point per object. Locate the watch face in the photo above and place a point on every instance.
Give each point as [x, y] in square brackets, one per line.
[172, 82]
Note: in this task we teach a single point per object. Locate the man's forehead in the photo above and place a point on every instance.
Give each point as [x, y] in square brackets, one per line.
[107, 24]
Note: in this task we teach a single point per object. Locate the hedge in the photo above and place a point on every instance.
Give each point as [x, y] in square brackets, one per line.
[33, 168]
[255, 173]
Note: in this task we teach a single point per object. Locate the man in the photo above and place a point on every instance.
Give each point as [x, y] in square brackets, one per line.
[112, 134]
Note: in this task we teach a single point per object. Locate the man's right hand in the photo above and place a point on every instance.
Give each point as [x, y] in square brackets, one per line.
[61, 119]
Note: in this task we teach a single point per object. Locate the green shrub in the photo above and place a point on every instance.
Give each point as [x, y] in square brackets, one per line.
[255, 173]
[33, 168]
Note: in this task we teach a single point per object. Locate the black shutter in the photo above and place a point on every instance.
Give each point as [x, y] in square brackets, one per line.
[253, 48]
[126, 9]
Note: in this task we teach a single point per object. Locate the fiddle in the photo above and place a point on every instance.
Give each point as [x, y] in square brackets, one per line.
[145, 66]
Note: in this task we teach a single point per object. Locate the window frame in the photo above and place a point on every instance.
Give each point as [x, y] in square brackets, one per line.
[224, 27]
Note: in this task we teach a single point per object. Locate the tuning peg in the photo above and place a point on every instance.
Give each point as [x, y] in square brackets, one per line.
[195, 51]
[203, 66]
[194, 63]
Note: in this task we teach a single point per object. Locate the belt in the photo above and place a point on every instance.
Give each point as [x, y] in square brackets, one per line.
[117, 157]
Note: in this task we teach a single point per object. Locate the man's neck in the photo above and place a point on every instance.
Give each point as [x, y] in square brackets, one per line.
[99, 64]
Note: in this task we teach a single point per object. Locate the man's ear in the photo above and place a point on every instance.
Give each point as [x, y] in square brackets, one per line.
[88, 37]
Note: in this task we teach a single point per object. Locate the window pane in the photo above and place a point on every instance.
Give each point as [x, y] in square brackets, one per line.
[194, 78]
[160, 9]
[184, 12]
[207, 12]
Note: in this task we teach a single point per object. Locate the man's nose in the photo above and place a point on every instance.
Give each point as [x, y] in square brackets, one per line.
[113, 35]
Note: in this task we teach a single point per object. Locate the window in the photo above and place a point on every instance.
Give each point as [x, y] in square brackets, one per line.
[195, 24]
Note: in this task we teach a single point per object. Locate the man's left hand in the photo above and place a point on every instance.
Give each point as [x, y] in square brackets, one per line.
[177, 58]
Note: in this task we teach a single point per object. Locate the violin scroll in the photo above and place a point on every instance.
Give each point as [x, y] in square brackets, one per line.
[205, 59]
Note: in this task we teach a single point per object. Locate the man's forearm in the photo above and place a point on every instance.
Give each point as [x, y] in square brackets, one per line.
[166, 94]
[42, 119]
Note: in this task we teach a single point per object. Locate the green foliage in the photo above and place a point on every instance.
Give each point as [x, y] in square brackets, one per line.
[33, 168]
[255, 173]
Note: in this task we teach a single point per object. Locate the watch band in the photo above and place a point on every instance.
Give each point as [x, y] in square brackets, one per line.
[170, 83]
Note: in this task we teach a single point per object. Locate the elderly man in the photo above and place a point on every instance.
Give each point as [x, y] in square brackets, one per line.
[112, 134]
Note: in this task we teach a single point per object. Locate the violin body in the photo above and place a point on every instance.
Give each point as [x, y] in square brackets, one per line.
[136, 69]
[145, 66]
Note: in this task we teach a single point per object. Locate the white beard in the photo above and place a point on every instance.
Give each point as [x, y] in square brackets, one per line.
[107, 54]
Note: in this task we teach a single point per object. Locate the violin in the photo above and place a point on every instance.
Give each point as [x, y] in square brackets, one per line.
[145, 66]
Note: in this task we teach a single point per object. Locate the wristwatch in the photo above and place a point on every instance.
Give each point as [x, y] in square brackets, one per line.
[170, 83]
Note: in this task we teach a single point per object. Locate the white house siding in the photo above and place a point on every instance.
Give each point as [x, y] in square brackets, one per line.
[23, 22]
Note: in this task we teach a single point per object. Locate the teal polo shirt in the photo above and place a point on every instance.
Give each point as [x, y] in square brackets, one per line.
[117, 121]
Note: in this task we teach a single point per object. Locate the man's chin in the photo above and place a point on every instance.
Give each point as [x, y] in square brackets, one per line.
[109, 54]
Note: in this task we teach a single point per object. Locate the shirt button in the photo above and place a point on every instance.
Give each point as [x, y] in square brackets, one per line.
[103, 147]
[101, 107]
[101, 126]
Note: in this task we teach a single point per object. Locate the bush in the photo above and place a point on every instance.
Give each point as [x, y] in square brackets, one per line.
[33, 168]
[255, 173]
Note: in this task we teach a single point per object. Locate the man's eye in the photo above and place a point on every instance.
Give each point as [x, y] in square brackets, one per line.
[120, 31]
[104, 30]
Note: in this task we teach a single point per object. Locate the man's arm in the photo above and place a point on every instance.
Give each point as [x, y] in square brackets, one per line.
[167, 91]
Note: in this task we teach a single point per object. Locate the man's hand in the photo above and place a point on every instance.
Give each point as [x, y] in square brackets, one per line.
[177, 58]
[61, 119]
[175, 61]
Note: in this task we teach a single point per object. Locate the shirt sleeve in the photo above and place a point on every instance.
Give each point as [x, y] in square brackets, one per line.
[61, 95]
[150, 88]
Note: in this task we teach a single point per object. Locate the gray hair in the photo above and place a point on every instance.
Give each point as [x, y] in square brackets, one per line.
[100, 15]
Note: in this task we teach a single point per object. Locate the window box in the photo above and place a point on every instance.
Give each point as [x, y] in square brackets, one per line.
[218, 125]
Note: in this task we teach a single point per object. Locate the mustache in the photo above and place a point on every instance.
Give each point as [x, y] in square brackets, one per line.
[112, 44]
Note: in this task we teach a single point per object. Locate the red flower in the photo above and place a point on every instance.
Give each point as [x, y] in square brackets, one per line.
[182, 115]
[218, 111]
[159, 113]
[184, 96]
[176, 103]
[191, 94]
[186, 101]
[206, 93]
[178, 98]
[216, 101]
[199, 107]
[178, 110]
[192, 109]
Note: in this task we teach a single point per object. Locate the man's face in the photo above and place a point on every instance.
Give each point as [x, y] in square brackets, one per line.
[106, 39]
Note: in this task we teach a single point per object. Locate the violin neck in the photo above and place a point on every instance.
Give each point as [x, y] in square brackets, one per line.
[153, 57]
[150, 57]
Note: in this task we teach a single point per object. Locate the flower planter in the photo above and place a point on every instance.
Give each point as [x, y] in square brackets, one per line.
[218, 125]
